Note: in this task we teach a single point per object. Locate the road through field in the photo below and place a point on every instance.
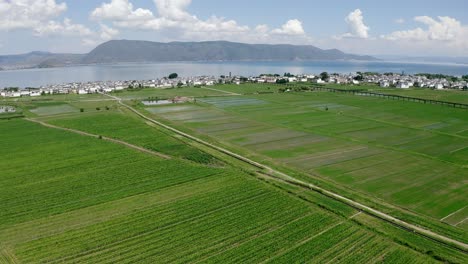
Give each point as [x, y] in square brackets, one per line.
[291, 180]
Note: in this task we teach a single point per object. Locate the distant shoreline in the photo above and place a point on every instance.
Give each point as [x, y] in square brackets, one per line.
[238, 61]
[37, 77]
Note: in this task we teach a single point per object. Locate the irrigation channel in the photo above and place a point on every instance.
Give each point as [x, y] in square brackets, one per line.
[277, 175]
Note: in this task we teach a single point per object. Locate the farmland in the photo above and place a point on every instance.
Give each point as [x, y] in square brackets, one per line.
[355, 142]
[68, 197]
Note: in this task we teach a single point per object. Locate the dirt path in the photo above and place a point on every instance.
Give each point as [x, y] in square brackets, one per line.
[226, 92]
[275, 174]
[141, 149]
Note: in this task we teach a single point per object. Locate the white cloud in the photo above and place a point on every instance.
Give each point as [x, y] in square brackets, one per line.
[67, 28]
[41, 17]
[443, 34]
[28, 14]
[443, 29]
[291, 27]
[174, 9]
[108, 33]
[438, 36]
[173, 19]
[123, 13]
[357, 28]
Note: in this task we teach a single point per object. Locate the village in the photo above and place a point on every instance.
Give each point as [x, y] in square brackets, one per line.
[401, 81]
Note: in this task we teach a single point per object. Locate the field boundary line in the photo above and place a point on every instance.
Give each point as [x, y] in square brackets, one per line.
[361, 241]
[300, 243]
[442, 219]
[462, 148]
[354, 215]
[253, 237]
[141, 149]
[226, 92]
[461, 221]
[291, 180]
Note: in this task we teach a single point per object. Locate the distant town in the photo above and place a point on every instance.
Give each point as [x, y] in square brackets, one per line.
[386, 80]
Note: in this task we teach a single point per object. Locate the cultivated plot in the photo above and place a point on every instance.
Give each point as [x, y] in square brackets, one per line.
[72, 198]
[380, 147]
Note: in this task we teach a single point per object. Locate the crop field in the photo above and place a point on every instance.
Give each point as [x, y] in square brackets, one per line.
[67, 197]
[248, 88]
[455, 96]
[409, 154]
[440, 95]
[71, 198]
[142, 94]
[54, 109]
[135, 131]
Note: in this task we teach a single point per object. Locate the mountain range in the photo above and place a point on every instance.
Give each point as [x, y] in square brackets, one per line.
[118, 51]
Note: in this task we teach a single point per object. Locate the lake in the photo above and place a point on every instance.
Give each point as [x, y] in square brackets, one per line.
[147, 71]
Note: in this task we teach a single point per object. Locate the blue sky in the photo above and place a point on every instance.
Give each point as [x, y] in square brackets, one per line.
[418, 28]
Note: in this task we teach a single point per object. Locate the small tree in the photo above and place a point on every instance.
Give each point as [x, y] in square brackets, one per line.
[324, 76]
[81, 110]
[173, 75]
[282, 81]
[98, 108]
[358, 77]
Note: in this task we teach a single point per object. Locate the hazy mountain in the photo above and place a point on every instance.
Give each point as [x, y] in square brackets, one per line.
[116, 51]
[147, 51]
[39, 59]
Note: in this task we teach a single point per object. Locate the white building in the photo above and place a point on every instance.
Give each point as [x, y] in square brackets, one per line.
[403, 85]
[384, 84]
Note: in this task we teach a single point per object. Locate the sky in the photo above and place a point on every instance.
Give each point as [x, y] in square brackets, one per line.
[403, 28]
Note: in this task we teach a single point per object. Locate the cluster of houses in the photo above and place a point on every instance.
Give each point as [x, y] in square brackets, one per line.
[383, 80]
[388, 80]
[408, 81]
[7, 109]
[268, 78]
[108, 86]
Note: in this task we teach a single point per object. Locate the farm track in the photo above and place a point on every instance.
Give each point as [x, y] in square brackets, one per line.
[274, 174]
[225, 92]
[141, 149]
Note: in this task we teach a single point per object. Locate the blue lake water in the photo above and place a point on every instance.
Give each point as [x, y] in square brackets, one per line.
[146, 71]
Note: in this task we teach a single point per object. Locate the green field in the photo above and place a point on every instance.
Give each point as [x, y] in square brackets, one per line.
[406, 153]
[142, 94]
[444, 95]
[72, 198]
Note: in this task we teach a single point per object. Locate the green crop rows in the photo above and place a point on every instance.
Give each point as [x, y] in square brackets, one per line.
[70, 198]
[368, 144]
